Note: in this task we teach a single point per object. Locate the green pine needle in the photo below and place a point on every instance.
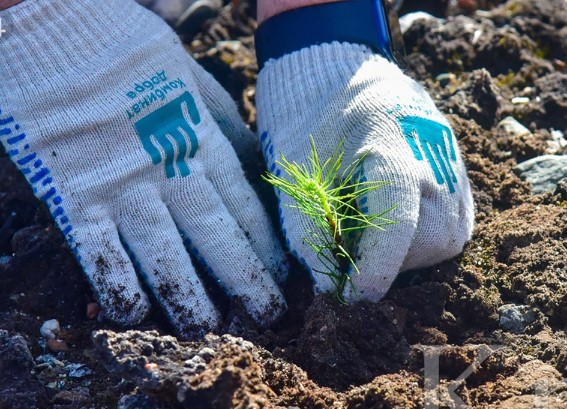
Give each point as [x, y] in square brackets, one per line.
[329, 198]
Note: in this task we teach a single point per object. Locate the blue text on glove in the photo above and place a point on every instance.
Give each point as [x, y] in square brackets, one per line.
[151, 90]
[436, 142]
[167, 134]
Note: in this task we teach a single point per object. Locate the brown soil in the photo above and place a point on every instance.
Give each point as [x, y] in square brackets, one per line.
[324, 354]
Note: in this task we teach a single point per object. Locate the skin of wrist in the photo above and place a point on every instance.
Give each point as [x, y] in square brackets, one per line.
[269, 8]
[4, 4]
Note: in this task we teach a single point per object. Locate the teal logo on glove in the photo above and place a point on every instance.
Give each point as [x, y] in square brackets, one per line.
[167, 134]
[435, 141]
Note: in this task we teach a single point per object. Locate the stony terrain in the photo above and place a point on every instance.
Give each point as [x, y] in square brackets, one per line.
[484, 330]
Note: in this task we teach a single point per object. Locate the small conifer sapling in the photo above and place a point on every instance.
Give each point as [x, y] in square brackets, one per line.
[328, 196]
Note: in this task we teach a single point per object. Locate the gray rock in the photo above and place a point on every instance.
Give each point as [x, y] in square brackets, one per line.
[512, 127]
[78, 370]
[558, 143]
[516, 318]
[18, 387]
[544, 172]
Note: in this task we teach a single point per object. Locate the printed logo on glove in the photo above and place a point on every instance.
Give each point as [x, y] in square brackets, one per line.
[433, 138]
[165, 134]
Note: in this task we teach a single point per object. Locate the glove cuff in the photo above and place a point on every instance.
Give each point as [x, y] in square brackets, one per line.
[46, 38]
[355, 21]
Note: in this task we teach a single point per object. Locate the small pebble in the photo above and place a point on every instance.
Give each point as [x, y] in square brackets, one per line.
[558, 142]
[50, 360]
[528, 91]
[476, 36]
[207, 353]
[468, 6]
[512, 127]
[445, 79]
[57, 345]
[50, 329]
[92, 310]
[520, 100]
[78, 370]
[408, 19]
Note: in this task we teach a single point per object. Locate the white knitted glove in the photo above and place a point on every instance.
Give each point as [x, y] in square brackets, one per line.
[337, 91]
[106, 114]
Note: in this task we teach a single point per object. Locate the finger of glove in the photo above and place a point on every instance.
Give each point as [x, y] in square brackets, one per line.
[219, 243]
[154, 241]
[381, 252]
[444, 225]
[225, 113]
[225, 173]
[110, 271]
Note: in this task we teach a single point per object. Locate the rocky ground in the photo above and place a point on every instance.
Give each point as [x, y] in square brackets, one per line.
[486, 329]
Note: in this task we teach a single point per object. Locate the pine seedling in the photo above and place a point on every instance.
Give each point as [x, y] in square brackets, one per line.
[328, 196]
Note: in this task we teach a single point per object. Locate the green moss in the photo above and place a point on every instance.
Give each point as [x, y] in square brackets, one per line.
[505, 80]
[490, 295]
[541, 50]
[541, 53]
[514, 8]
[482, 256]
[455, 61]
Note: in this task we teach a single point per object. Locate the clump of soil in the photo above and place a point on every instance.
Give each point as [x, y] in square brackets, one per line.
[495, 316]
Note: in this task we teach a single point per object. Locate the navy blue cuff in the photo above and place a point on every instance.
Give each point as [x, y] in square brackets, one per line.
[354, 21]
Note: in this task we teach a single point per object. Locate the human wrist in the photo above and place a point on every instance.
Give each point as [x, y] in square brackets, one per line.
[269, 8]
[364, 22]
[4, 4]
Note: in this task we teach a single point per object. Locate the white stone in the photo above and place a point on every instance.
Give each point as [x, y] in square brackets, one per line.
[50, 329]
[513, 127]
[407, 20]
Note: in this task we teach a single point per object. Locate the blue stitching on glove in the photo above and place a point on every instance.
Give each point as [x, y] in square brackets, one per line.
[22, 156]
[359, 176]
[196, 253]
[268, 150]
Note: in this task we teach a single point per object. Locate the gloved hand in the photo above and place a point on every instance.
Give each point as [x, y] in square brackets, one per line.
[343, 91]
[115, 127]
